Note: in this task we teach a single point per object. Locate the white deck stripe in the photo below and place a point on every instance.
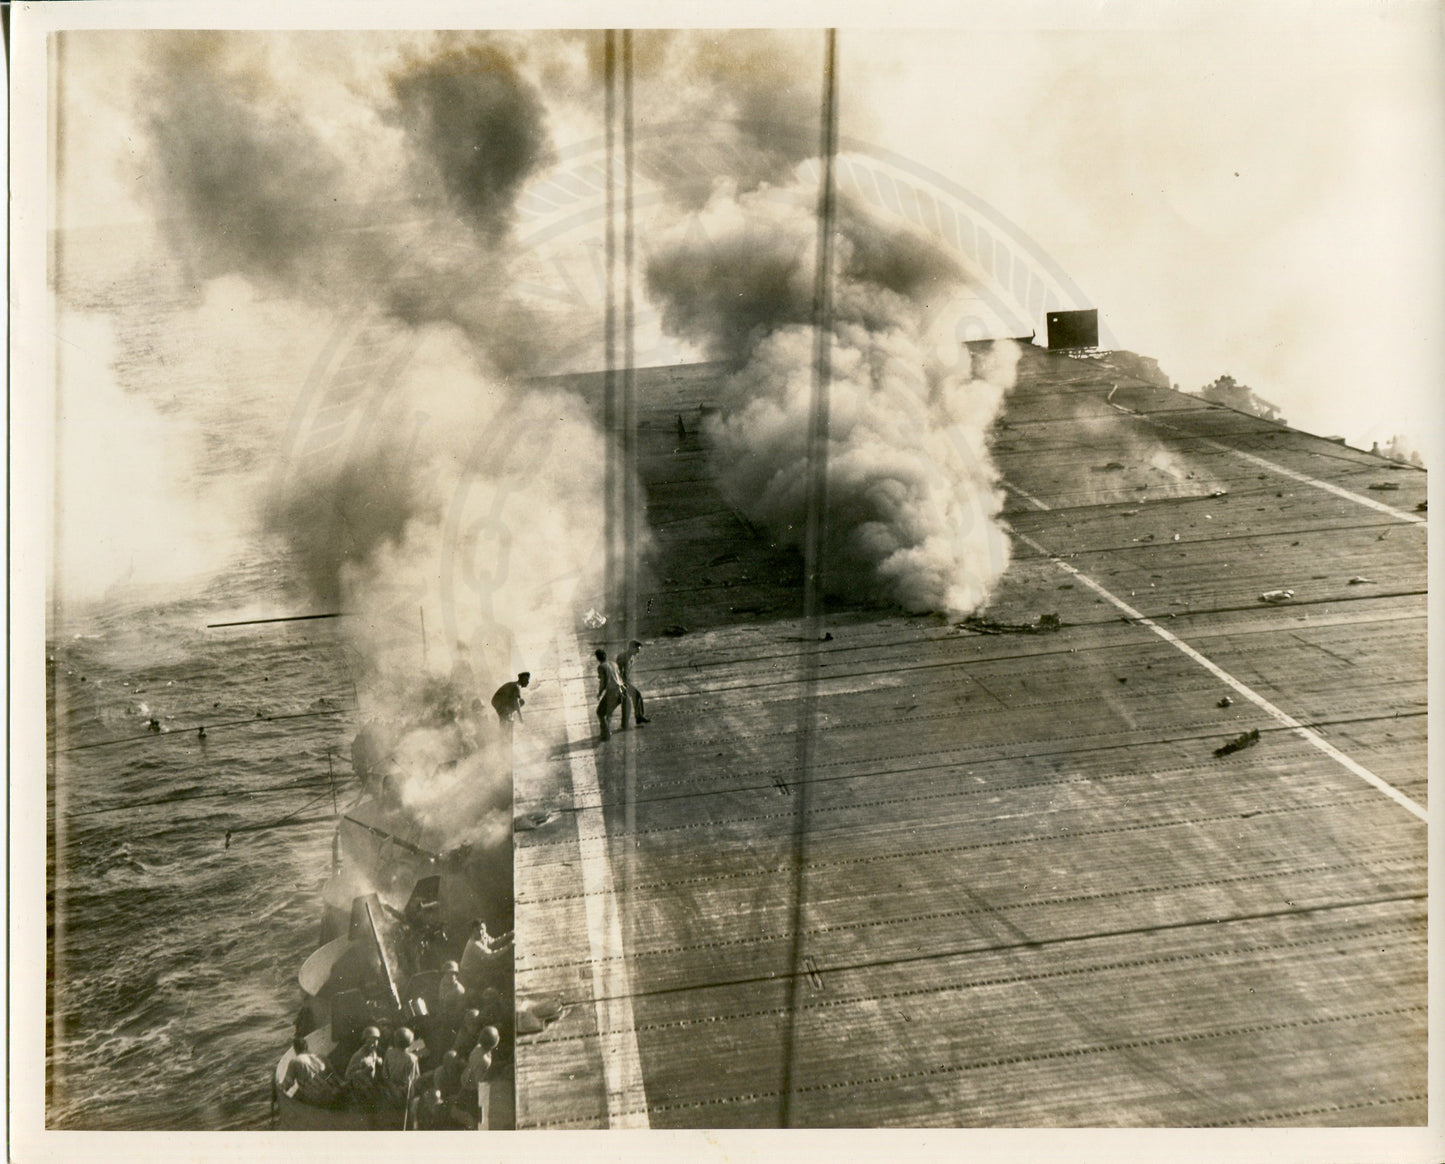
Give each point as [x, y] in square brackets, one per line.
[1250, 694]
[1029, 497]
[611, 983]
[1261, 462]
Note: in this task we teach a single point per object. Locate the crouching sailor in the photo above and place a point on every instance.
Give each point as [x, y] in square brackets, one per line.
[313, 1080]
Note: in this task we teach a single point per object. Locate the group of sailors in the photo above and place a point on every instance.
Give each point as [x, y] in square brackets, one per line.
[472, 1019]
[391, 1080]
[615, 691]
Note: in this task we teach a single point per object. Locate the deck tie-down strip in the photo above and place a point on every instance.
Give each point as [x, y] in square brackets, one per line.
[1275, 713]
[611, 983]
[1185, 1038]
[1400, 863]
[1413, 932]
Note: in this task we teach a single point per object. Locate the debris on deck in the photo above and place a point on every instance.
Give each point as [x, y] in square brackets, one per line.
[527, 821]
[989, 626]
[1239, 743]
[535, 1014]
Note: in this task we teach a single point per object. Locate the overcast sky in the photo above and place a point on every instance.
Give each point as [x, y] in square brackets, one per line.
[1252, 190]
[1245, 189]
[1255, 196]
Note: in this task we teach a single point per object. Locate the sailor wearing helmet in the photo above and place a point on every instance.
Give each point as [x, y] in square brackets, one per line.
[364, 1071]
[400, 1068]
[451, 996]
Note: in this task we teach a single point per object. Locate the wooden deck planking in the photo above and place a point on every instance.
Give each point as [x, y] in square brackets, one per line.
[1005, 801]
[673, 803]
[1232, 858]
[873, 1027]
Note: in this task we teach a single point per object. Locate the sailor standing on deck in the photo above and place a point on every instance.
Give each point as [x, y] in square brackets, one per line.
[633, 697]
[451, 997]
[609, 691]
[364, 1072]
[470, 1097]
[429, 1112]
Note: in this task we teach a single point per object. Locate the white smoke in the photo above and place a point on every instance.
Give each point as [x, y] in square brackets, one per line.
[458, 500]
[912, 492]
[127, 513]
[912, 495]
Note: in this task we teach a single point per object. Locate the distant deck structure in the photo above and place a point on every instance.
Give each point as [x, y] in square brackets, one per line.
[1035, 894]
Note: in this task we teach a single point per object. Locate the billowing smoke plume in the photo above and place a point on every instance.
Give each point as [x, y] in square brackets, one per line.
[391, 178]
[745, 269]
[478, 124]
[912, 496]
[741, 106]
[243, 180]
[456, 506]
[337, 516]
[380, 178]
[230, 172]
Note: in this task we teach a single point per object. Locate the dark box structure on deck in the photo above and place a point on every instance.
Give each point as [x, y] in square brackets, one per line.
[1073, 329]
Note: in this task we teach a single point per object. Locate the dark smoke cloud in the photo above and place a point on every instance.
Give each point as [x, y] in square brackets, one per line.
[894, 259]
[240, 185]
[744, 275]
[731, 292]
[768, 85]
[473, 290]
[479, 124]
[912, 492]
[301, 184]
[337, 518]
[752, 95]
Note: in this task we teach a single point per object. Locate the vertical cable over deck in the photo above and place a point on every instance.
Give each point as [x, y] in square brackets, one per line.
[814, 540]
[609, 320]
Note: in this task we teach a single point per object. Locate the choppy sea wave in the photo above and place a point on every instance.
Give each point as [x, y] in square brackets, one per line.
[175, 953]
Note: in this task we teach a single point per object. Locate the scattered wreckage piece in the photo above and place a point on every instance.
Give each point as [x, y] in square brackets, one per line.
[1239, 743]
[989, 626]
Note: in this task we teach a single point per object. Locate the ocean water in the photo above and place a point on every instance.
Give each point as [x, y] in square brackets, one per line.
[175, 954]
